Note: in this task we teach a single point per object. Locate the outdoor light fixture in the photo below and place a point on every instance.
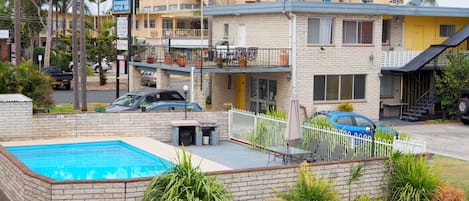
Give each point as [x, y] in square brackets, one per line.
[185, 88]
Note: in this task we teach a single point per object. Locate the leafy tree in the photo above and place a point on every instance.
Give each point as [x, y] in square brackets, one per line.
[102, 46]
[448, 85]
[28, 80]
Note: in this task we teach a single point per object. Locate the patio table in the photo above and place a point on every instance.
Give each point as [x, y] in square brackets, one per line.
[287, 154]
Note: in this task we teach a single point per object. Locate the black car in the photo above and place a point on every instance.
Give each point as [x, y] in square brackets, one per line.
[134, 101]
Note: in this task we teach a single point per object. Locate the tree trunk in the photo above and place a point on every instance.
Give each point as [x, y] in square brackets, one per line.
[76, 100]
[84, 106]
[48, 35]
[17, 32]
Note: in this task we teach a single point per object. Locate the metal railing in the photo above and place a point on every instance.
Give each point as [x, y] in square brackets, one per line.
[184, 33]
[216, 57]
[399, 58]
[264, 131]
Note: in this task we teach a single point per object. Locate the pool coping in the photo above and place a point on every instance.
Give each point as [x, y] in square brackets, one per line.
[149, 145]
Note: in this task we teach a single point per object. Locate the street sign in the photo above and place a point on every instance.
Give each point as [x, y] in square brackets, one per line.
[122, 27]
[4, 33]
[121, 6]
[122, 44]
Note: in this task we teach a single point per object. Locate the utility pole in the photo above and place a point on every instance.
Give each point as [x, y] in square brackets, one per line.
[84, 106]
[17, 32]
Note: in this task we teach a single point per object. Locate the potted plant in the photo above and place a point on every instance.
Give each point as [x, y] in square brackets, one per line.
[143, 107]
[219, 61]
[181, 60]
[243, 62]
[100, 107]
[168, 58]
[138, 49]
[198, 60]
[152, 57]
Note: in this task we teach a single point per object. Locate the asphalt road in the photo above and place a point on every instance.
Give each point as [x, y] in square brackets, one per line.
[445, 139]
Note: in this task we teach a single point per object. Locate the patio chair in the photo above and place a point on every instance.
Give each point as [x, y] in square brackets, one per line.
[338, 153]
[349, 155]
[239, 52]
[252, 53]
[320, 154]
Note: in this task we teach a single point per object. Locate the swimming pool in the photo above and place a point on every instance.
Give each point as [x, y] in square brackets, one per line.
[90, 161]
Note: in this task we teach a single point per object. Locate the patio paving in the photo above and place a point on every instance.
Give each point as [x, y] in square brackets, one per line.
[235, 155]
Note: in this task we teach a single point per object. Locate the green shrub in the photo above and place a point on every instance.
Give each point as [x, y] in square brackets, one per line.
[185, 182]
[345, 107]
[310, 188]
[410, 179]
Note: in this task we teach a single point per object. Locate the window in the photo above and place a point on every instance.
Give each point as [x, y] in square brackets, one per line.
[226, 30]
[137, 24]
[386, 37]
[145, 24]
[345, 120]
[362, 122]
[173, 7]
[70, 26]
[146, 9]
[447, 30]
[263, 94]
[159, 8]
[358, 32]
[320, 30]
[339, 87]
[386, 85]
[152, 23]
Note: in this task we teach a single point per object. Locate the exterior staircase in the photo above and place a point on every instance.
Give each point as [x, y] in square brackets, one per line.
[421, 107]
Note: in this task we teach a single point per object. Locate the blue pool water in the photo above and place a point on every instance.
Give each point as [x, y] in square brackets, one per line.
[90, 161]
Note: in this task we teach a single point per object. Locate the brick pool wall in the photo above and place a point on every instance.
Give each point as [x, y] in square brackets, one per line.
[255, 184]
[156, 125]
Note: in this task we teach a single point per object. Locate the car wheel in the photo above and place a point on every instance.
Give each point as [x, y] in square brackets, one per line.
[463, 106]
[465, 121]
[67, 86]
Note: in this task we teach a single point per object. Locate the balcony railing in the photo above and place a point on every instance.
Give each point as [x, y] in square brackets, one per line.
[399, 58]
[184, 33]
[216, 57]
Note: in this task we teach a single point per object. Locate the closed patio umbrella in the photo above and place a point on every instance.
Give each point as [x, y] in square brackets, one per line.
[293, 130]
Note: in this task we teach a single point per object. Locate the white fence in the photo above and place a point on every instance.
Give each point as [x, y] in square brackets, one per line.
[264, 131]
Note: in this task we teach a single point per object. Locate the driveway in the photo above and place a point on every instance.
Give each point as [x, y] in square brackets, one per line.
[450, 139]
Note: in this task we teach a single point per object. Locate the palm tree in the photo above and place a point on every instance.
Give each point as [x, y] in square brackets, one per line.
[83, 56]
[17, 32]
[76, 100]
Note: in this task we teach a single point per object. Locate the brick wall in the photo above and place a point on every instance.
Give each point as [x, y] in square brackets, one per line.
[156, 125]
[19, 183]
[261, 183]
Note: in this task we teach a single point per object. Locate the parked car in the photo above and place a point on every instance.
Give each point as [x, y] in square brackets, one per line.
[353, 123]
[173, 106]
[59, 77]
[149, 78]
[463, 106]
[133, 101]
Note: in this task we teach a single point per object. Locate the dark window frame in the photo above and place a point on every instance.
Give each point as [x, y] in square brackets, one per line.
[320, 87]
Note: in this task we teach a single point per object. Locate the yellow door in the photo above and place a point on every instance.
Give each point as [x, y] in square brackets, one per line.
[417, 38]
[241, 91]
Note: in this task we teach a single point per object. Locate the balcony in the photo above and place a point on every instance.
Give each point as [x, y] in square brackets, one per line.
[217, 59]
[398, 58]
[184, 33]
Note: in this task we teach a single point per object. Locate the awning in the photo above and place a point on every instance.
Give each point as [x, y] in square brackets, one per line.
[435, 50]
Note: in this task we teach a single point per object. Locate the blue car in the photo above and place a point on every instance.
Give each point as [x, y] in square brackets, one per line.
[173, 106]
[353, 123]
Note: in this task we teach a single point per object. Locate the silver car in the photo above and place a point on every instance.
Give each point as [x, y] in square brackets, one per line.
[134, 101]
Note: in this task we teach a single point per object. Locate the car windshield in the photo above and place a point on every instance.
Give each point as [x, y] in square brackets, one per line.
[126, 101]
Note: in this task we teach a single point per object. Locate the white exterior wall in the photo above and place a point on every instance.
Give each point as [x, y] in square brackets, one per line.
[272, 31]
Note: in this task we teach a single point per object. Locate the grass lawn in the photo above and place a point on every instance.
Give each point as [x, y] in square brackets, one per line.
[454, 171]
[68, 107]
